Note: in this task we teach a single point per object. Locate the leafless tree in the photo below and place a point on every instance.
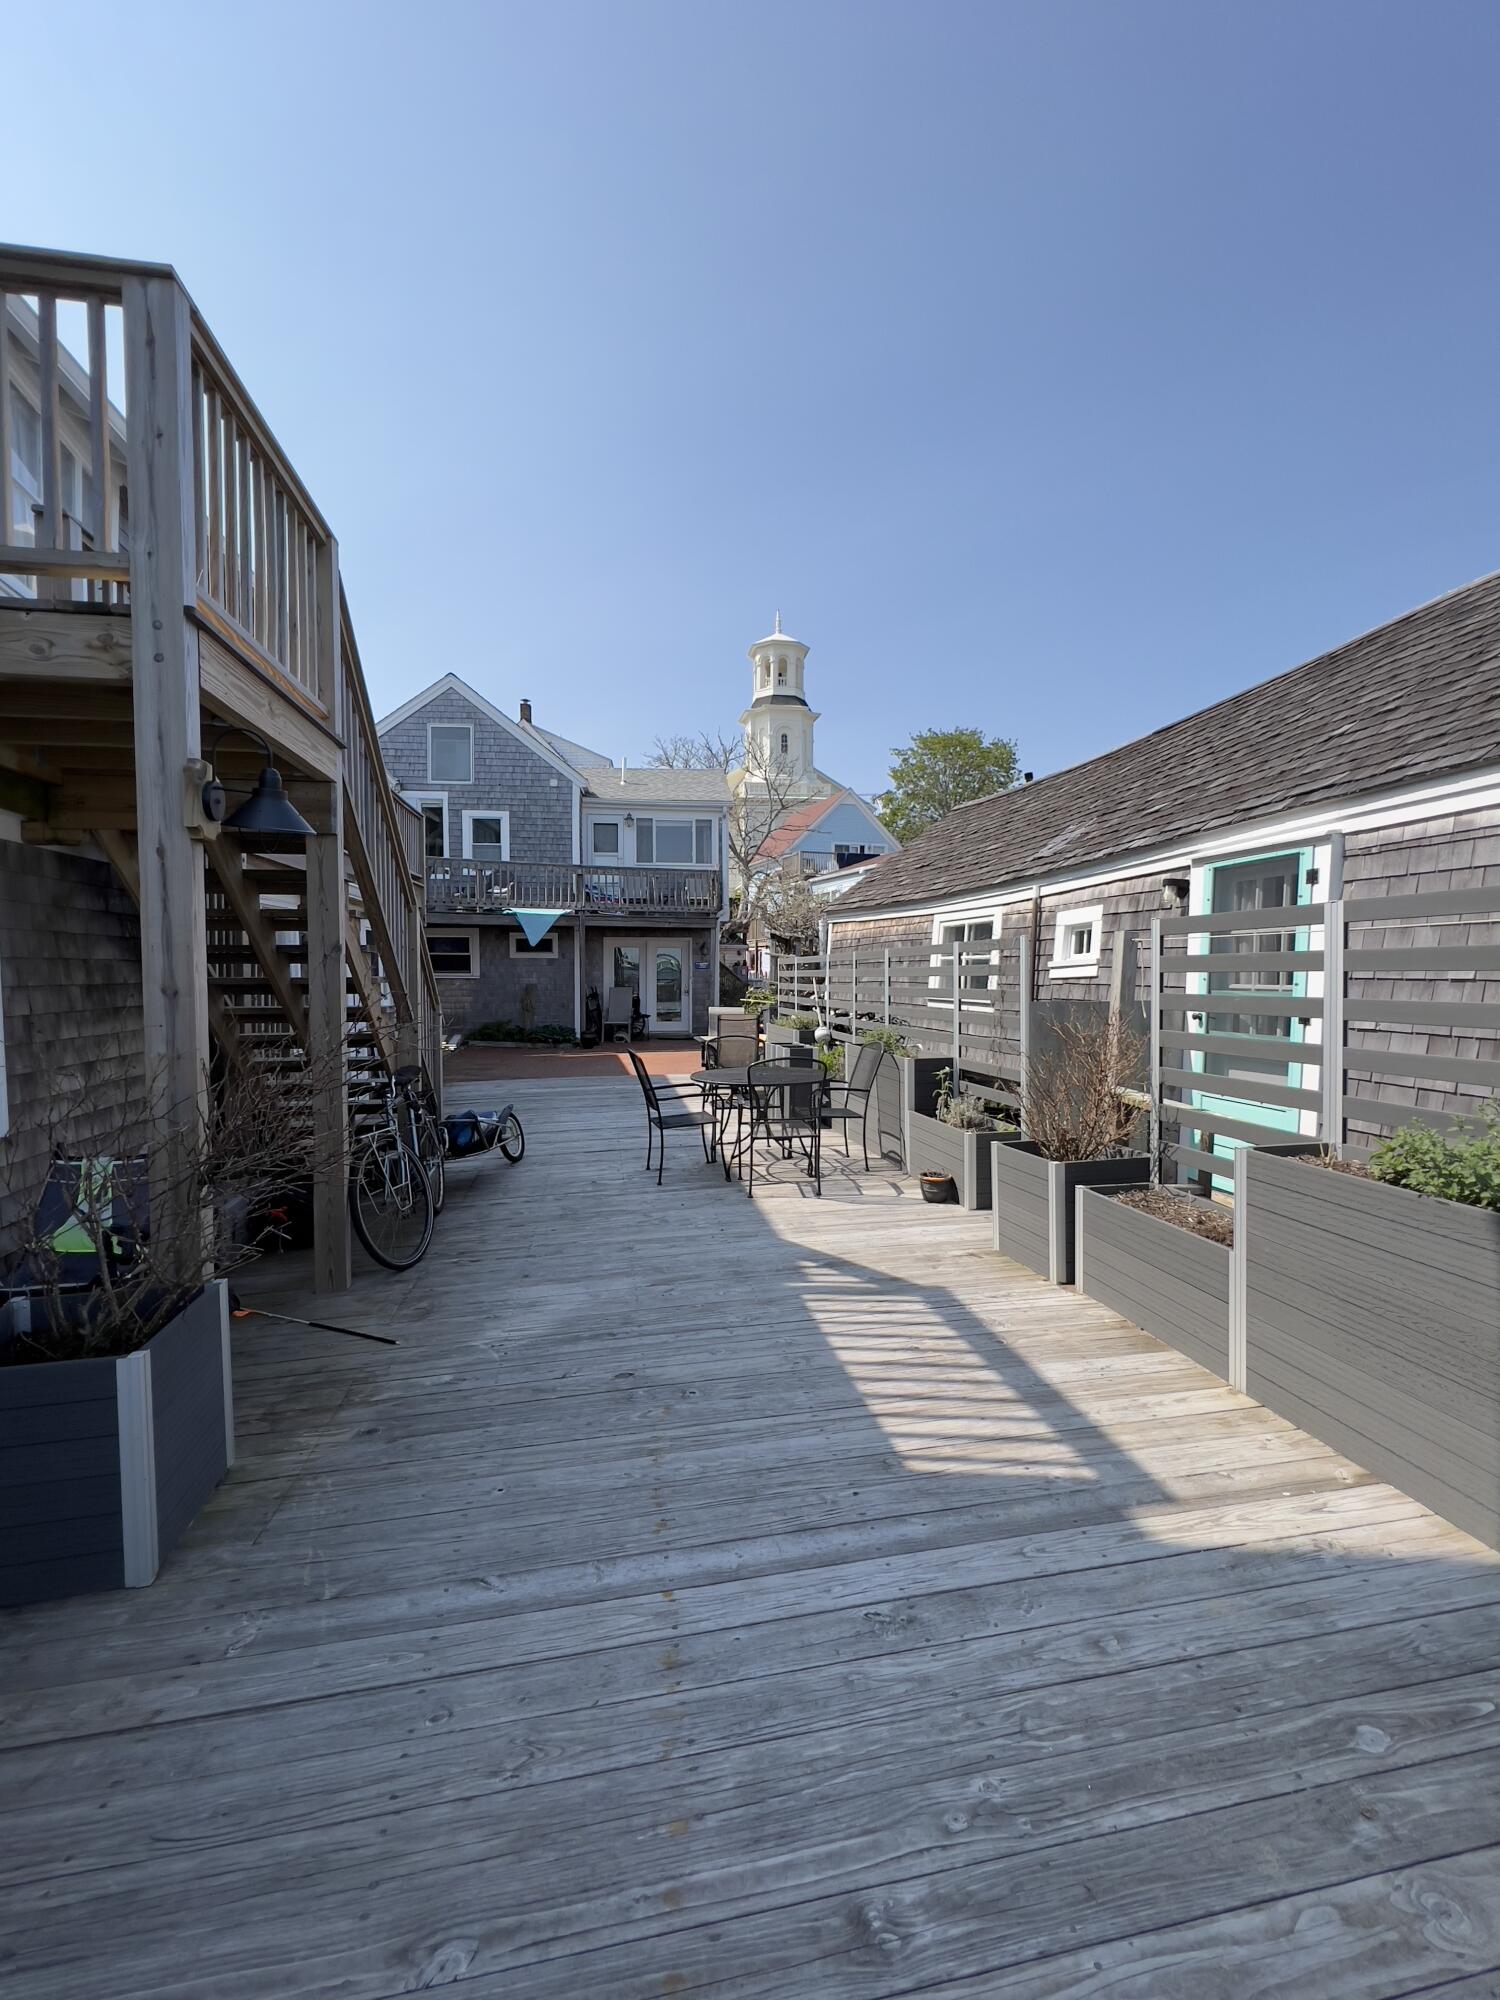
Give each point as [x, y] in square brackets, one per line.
[1074, 1100]
[763, 787]
[163, 1200]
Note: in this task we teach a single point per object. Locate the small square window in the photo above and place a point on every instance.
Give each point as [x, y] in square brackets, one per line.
[1075, 950]
[450, 753]
[606, 836]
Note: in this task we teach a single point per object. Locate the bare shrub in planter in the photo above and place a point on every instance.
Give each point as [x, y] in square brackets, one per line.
[1074, 1101]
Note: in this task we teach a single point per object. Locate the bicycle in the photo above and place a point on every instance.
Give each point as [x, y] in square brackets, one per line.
[390, 1195]
[424, 1132]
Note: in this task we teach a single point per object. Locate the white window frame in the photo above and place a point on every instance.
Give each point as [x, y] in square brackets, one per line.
[545, 947]
[617, 822]
[470, 814]
[417, 800]
[453, 930]
[690, 821]
[432, 779]
[1066, 963]
[943, 947]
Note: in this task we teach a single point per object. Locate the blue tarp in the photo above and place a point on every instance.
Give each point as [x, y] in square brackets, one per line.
[537, 923]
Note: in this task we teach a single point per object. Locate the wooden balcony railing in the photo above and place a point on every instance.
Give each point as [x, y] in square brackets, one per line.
[495, 887]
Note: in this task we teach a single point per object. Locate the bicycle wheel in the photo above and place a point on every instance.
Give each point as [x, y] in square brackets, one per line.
[390, 1198]
[428, 1135]
[512, 1140]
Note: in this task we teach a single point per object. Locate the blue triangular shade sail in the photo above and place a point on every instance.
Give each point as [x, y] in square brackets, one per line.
[537, 923]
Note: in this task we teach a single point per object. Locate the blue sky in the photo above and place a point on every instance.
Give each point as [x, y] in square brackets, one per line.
[1054, 367]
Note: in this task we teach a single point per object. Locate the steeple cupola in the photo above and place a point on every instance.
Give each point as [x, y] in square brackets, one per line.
[778, 724]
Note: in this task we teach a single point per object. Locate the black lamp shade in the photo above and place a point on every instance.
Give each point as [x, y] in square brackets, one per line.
[268, 814]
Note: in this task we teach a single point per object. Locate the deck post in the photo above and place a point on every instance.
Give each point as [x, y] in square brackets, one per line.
[164, 649]
[1333, 1026]
[327, 1019]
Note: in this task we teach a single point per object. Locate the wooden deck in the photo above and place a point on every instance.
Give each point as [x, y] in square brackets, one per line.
[775, 1599]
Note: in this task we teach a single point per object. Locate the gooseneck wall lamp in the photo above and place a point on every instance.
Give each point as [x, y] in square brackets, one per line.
[267, 814]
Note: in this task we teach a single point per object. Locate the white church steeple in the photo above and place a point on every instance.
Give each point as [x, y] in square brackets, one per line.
[778, 724]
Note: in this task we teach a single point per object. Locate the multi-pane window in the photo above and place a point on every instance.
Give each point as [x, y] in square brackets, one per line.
[675, 842]
[1075, 944]
[487, 840]
[453, 954]
[975, 931]
[450, 753]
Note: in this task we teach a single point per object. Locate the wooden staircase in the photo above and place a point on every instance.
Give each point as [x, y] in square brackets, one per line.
[257, 932]
[256, 926]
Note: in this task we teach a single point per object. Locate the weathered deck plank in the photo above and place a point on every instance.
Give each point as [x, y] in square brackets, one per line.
[785, 1598]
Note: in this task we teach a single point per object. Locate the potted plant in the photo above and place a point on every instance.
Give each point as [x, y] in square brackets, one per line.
[116, 1404]
[1372, 1308]
[1078, 1116]
[959, 1133]
[1161, 1257]
[792, 1031]
[938, 1187]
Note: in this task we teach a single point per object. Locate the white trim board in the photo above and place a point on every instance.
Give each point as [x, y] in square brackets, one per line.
[451, 684]
[1477, 792]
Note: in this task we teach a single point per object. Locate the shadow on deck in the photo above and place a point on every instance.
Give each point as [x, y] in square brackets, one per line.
[786, 1597]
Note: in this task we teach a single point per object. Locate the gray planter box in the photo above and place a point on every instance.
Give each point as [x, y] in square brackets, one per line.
[1165, 1280]
[1372, 1319]
[782, 1037]
[944, 1149]
[106, 1462]
[1033, 1201]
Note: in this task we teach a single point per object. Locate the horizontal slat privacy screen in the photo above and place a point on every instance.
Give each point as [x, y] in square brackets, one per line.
[1397, 1021]
[1404, 991]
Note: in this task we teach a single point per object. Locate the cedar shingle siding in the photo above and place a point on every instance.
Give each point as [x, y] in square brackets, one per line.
[70, 974]
[508, 777]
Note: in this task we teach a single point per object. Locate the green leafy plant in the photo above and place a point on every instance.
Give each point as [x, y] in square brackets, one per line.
[890, 1039]
[756, 999]
[797, 1021]
[830, 1056]
[1460, 1165]
[513, 1031]
[964, 1113]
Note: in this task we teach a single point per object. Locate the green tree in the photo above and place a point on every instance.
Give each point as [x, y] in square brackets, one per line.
[940, 769]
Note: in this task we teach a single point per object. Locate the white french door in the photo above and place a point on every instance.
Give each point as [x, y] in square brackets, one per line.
[659, 972]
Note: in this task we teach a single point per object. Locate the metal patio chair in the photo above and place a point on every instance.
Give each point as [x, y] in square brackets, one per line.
[849, 1098]
[786, 1102]
[669, 1117]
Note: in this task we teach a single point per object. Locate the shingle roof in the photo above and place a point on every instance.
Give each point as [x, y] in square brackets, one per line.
[577, 754]
[800, 819]
[1417, 698]
[659, 787]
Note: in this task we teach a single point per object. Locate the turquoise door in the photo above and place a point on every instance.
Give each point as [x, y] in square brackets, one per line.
[1273, 883]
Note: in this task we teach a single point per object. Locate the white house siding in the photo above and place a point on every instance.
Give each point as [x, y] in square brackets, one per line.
[70, 978]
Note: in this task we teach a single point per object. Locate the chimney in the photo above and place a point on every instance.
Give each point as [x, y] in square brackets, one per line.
[525, 709]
